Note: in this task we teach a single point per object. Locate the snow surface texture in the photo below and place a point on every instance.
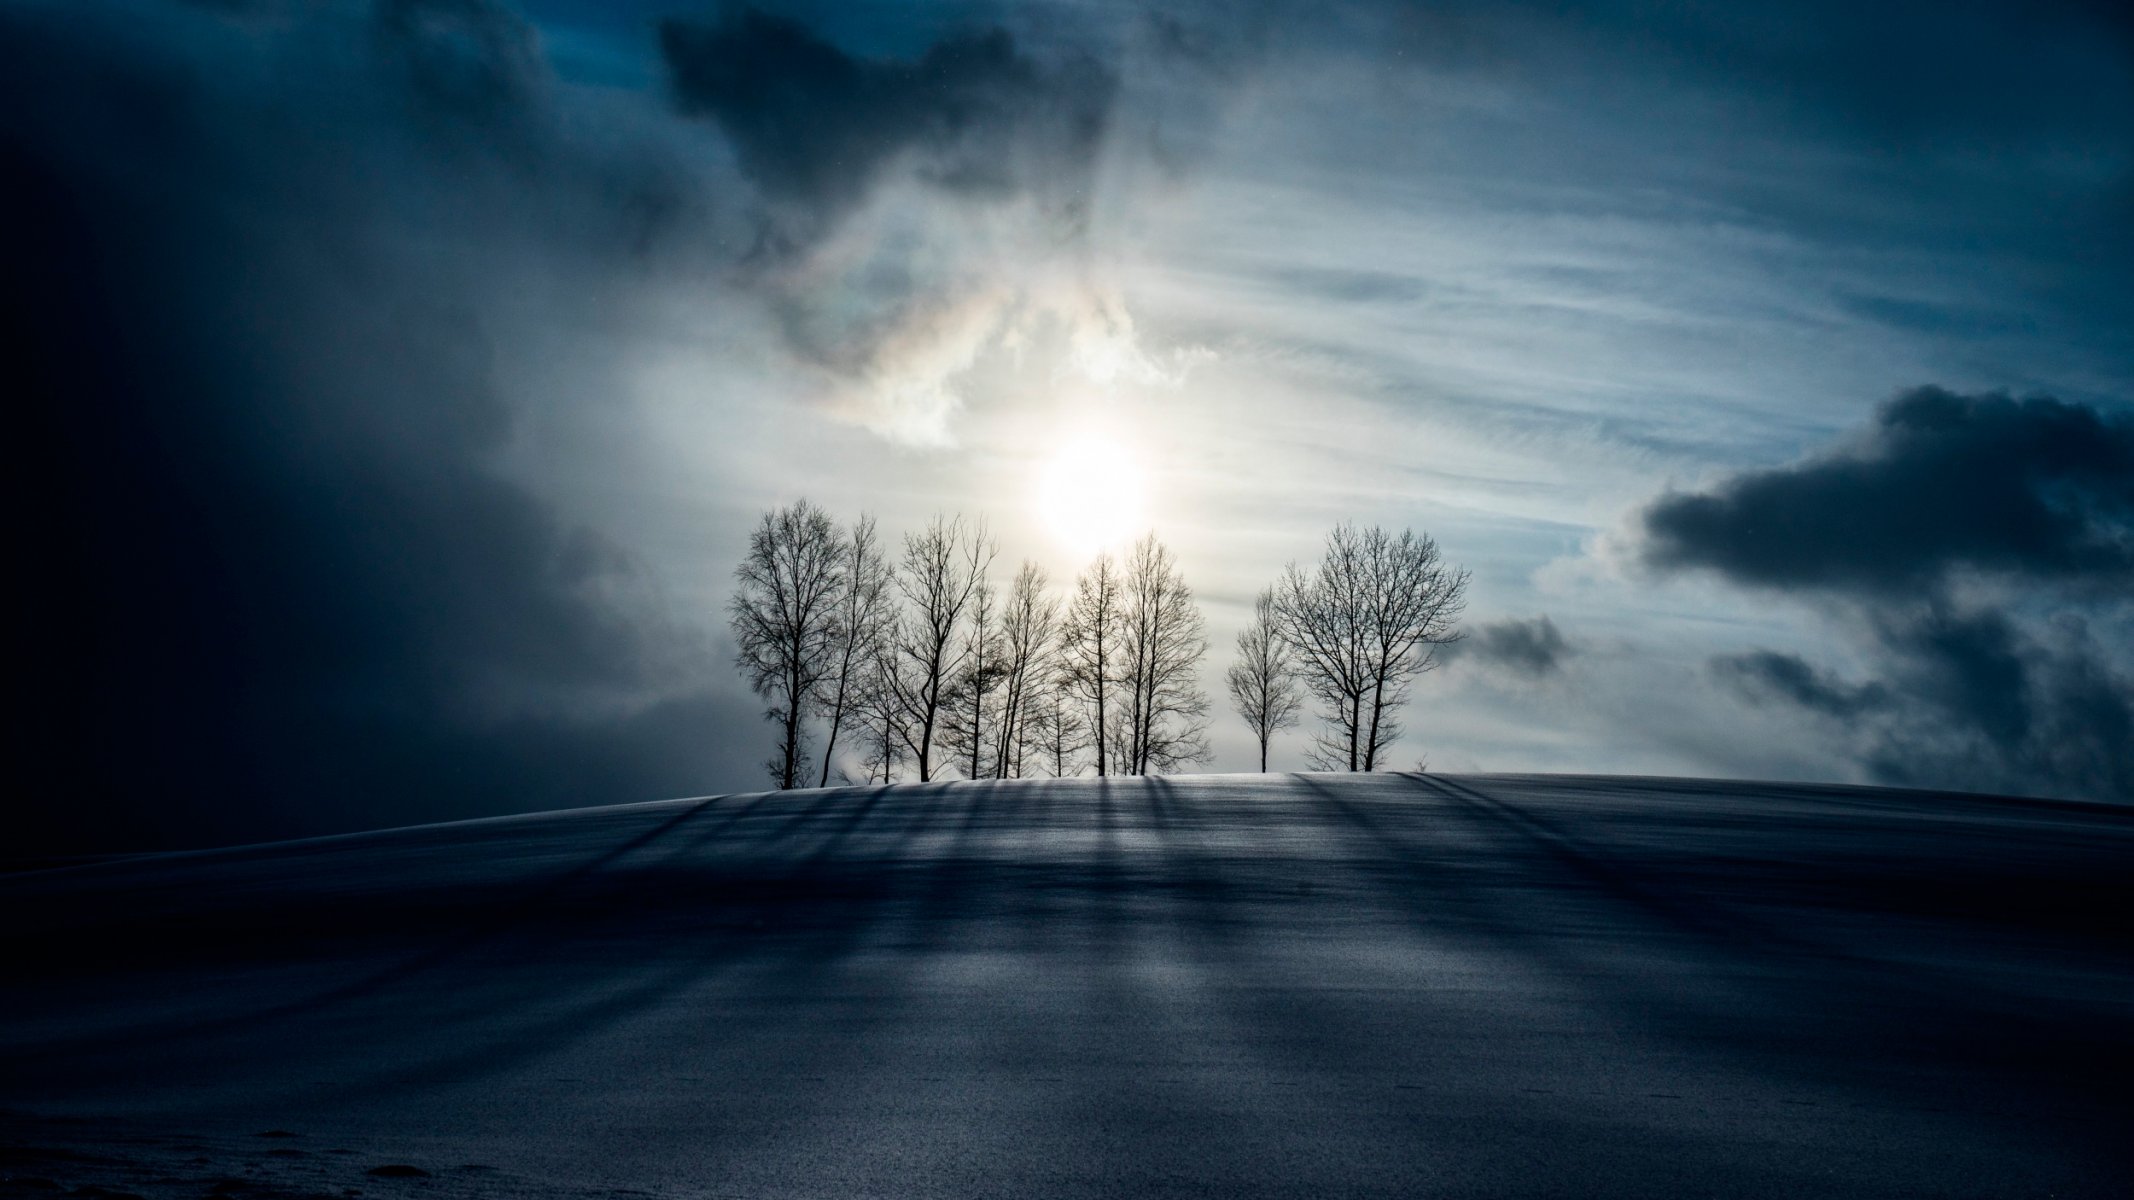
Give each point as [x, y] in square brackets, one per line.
[1233, 986]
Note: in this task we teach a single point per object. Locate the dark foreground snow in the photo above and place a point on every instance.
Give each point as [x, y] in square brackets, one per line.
[1225, 986]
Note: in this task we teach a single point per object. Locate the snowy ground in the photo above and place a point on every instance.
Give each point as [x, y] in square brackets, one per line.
[1234, 986]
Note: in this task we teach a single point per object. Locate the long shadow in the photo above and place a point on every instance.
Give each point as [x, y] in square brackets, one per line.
[921, 812]
[1934, 1020]
[484, 924]
[1034, 917]
[1725, 931]
[1317, 1026]
[842, 813]
[923, 908]
[793, 919]
[1736, 1029]
[1106, 907]
[494, 1040]
[946, 881]
[1519, 910]
[1700, 914]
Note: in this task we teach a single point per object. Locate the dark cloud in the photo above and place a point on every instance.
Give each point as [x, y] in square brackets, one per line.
[1969, 545]
[912, 214]
[1967, 700]
[1940, 483]
[1768, 674]
[1533, 647]
[473, 60]
[270, 581]
[817, 128]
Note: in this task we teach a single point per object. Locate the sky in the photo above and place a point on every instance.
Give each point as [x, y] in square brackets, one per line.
[403, 376]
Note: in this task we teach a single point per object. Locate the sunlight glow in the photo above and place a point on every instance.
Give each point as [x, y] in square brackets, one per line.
[1091, 495]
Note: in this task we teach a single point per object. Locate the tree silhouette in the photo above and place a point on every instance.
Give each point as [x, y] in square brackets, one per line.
[1262, 686]
[1164, 725]
[866, 616]
[1361, 626]
[970, 705]
[943, 569]
[784, 617]
[1027, 628]
[1089, 645]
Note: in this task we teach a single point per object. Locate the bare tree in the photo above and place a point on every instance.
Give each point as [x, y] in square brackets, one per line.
[1319, 616]
[943, 567]
[784, 616]
[882, 750]
[866, 610]
[1165, 712]
[1089, 646]
[1362, 626]
[1027, 628]
[1058, 732]
[1263, 688]
[971, 704]
[1418, 600]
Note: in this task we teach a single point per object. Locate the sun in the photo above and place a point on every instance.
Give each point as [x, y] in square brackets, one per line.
[1091, 493]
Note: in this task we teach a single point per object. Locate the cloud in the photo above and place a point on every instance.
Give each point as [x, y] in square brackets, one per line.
[915, 214]
[1533, 647]
[1967, 546]
[1769, 674]
[274, 580]
[1967, 700]
[1940, 483]
[818, 129]
[472, 59]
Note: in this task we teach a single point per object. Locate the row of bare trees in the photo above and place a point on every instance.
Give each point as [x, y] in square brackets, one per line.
[930, 668]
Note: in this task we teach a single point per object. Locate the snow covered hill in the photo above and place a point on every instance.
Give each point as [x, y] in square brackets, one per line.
[1224, 985]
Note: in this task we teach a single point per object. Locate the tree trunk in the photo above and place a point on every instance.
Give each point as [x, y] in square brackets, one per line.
[1370, 737]
[837, 716]
[829, 748]
[792, 746]
[1098, 737]
[789, 766]
[926, 746]
[977, 726]
[889, 733]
